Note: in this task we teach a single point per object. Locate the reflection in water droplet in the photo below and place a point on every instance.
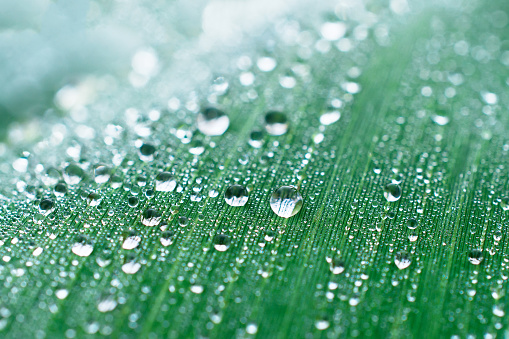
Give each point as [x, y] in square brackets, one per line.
[256, 139]
[412, 224]
[276, 123]
[475, 257]
[212, 122]
[286, 201]
[392, 192]
[82, 247]
[337, 266]
[236, 195]
[221, 242]
[165, 182]
[73, 174]
[167, 238]
[402, 260]
[151, 217]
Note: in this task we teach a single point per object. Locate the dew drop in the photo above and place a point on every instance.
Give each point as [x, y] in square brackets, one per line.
[475, 257]
[132, 202]
[94, 199]
[392, 192]
[82, 247]
[286, 201]
[412, 224]
[236, 195]
[504, 203]
[131, 242]
[151, 217]
[322, 324]
[328, 118]
[165, 182]
[337, 266]
[147, 152]
[221, 242]
[256, 139]
[131, 266]
[276, 123]
[46, 206]
[102, 174]
[212, 122]
[166, 238]
[402, 260]
[73, 174]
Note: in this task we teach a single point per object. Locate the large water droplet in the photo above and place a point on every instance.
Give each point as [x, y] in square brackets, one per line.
[82, 247]
[236, 195]
[73, 174]
[221, 242]
[276, 123]
[151, 217]
[286, 201]
[475, 256]
[402, 260]
[212, 122]
[131, 241]
[165, 182]
[392, 192]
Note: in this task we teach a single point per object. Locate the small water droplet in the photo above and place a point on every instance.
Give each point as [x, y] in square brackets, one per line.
[166, 238]
[256, 139]
[392, 192]
[46, 206]
[221, 242]
[102, 174]
[286, 201]
[276, 123]
[337, 266]
[151, 217]
[402, 260]
[475, 257]
[131, 241]
[412, 224]
[322, 324]
[504, 203]
[212, 122]
[236, 195]
[94, 199]
[328, 118]
[147, 152]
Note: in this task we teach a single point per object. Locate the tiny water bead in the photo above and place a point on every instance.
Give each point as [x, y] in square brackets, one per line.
[475, 256]
[392, 192]
[221, 242]
[165, 182]
[212, 122]
[412, 224]
[73, 174]
[151, 217]
[236, 195]
[286, 201]
[402, 260]
[276, 123]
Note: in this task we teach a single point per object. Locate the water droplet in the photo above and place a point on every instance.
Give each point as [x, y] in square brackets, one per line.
[102, 174]
[147, 152]
[94, 199]
[276, 123]
[221, 242]
[197, 289]
[328, 118]
[286, 201]
[412, 224]
[251, 328]
[167, 238]
[337, 266]
[392, 192]
[73, 174]
[402, 260]
[82, 247]
[183, 221]
[212, 122]
[108, 304]
[46, 206]
[322, 324]
[60, 189]
[440, 120]
[62, 293]
[165, 182]
[151, 217]
[131, 266]
[236, 195]
[256, 139]
[504, 203]
[131, 242]
[475, 256]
